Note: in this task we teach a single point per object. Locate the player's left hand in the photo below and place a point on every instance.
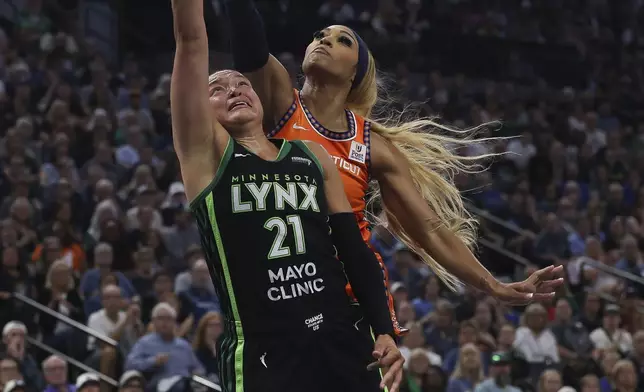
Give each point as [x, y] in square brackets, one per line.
[539, 287]
[389, 358]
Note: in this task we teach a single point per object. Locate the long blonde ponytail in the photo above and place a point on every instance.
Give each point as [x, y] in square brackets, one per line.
[430, 149]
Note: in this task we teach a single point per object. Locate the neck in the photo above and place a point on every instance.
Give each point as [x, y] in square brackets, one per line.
[470, 374]
[112, 314]
[322, 99]
[258, 144]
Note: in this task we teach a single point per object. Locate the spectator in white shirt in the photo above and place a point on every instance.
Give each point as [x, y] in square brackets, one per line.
[114, 323]
[610, 334]
[535, 341]
[521, 150]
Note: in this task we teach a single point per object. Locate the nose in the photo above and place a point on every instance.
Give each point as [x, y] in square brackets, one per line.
[326, 41]
[233, 92]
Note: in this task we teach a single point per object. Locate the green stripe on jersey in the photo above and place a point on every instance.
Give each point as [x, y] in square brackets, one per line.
[239, 331]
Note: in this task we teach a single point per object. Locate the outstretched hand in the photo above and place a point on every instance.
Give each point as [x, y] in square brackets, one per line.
[539, 287]
[388, 358]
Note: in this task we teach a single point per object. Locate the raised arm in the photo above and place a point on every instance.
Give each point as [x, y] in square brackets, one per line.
[195, 141]
[270, 79]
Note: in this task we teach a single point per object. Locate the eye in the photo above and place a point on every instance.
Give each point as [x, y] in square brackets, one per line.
[345, 41]
[216, 89]
[243, 83]
[318, 35]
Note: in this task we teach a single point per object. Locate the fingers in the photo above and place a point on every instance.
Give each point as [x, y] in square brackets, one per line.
[394, 371]
[550, 285]
[540, 274]
[395, 387]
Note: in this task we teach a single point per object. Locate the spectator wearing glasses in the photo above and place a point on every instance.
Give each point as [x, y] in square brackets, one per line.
[55, 371]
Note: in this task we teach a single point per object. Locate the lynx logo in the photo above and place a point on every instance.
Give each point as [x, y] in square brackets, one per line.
[358, 152]
[301, 160]
[314, 322]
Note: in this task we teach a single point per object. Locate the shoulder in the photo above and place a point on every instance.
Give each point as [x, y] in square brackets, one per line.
[95, 317]
[147, 339]
[385, 156]
[321, 154]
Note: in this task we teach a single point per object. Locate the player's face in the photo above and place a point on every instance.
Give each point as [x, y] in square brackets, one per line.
[333, 52]
[233, 99]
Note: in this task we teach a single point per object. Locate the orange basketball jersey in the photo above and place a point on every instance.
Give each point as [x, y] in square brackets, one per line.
[350, 150]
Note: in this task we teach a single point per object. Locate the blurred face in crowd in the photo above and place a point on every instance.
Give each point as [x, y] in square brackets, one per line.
[552, 223]
[52, 248]
[214, 328]
[333, 53]
[104, 189]
[611, 321]
[566, 210]
[608, 361]
[145, 259]
[415, 337]
[589, 383]
[483, 315]
[592, 304]
[550, 381]
[444, 317]
[111, 298]
[501, 371]
[418, 362]
[506, 336]
[162, 285]
[536, 317]
[164, 323]
[468, 334]
[563, 312]
[400, 295]
[61, 275]
[8, 234]
[616, 228]
[103, 258]
[470, 357]
[14, 334]
[21, 210]
[200, 274]
[233, 100]
[629, 248]
[594, 248]
[638, 344]
[133, 385]
[624, 375]
[615, 193]
[9, 371]
[405, 313]
[432, 288]
[10, 257]
[55, 370]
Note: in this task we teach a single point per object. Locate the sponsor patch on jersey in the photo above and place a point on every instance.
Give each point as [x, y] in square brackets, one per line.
[358, 152]
[301, 160]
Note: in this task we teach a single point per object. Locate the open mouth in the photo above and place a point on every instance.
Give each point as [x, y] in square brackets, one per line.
[238, 105]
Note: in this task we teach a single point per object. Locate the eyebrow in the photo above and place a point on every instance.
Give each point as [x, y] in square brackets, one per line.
[342, 31]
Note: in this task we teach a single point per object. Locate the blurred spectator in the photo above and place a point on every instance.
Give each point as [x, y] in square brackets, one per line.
[534, 341]
[132, 381]
[55, 371]
[59, 294]
[610, 334]
[88, 382]
[500, 379]
[550, 381]
[15, 386]
[204, 343]
[15, 347]
[9, 370]
[160, 354]
[202, 300]
[573, 341]
[624, 376]
[468, 372]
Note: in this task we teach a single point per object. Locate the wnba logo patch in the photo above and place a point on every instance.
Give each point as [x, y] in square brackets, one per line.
[358, 152]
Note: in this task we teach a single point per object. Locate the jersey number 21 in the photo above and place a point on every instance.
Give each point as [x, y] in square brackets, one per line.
[281, 226]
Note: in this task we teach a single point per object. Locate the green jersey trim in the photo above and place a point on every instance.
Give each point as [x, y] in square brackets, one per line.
[223, 163]
[239, 331]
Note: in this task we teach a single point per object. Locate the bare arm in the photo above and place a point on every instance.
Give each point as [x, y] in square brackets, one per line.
[196, 144]
[399, 194]
[273, 85]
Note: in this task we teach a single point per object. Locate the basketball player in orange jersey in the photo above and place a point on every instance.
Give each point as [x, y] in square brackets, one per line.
[410, 160]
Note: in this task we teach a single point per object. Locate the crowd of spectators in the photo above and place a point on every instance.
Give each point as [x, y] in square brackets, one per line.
[94, 222]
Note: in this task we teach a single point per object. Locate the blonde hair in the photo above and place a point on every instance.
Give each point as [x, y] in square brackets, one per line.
[459, 372]
[56, 264]
[429, 148]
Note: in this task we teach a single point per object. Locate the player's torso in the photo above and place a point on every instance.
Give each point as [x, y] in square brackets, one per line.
[271, 256]
[350, 150]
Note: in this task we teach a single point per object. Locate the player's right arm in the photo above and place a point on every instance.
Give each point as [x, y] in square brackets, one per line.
[249, 45]
[198, 139]
[362, 269]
